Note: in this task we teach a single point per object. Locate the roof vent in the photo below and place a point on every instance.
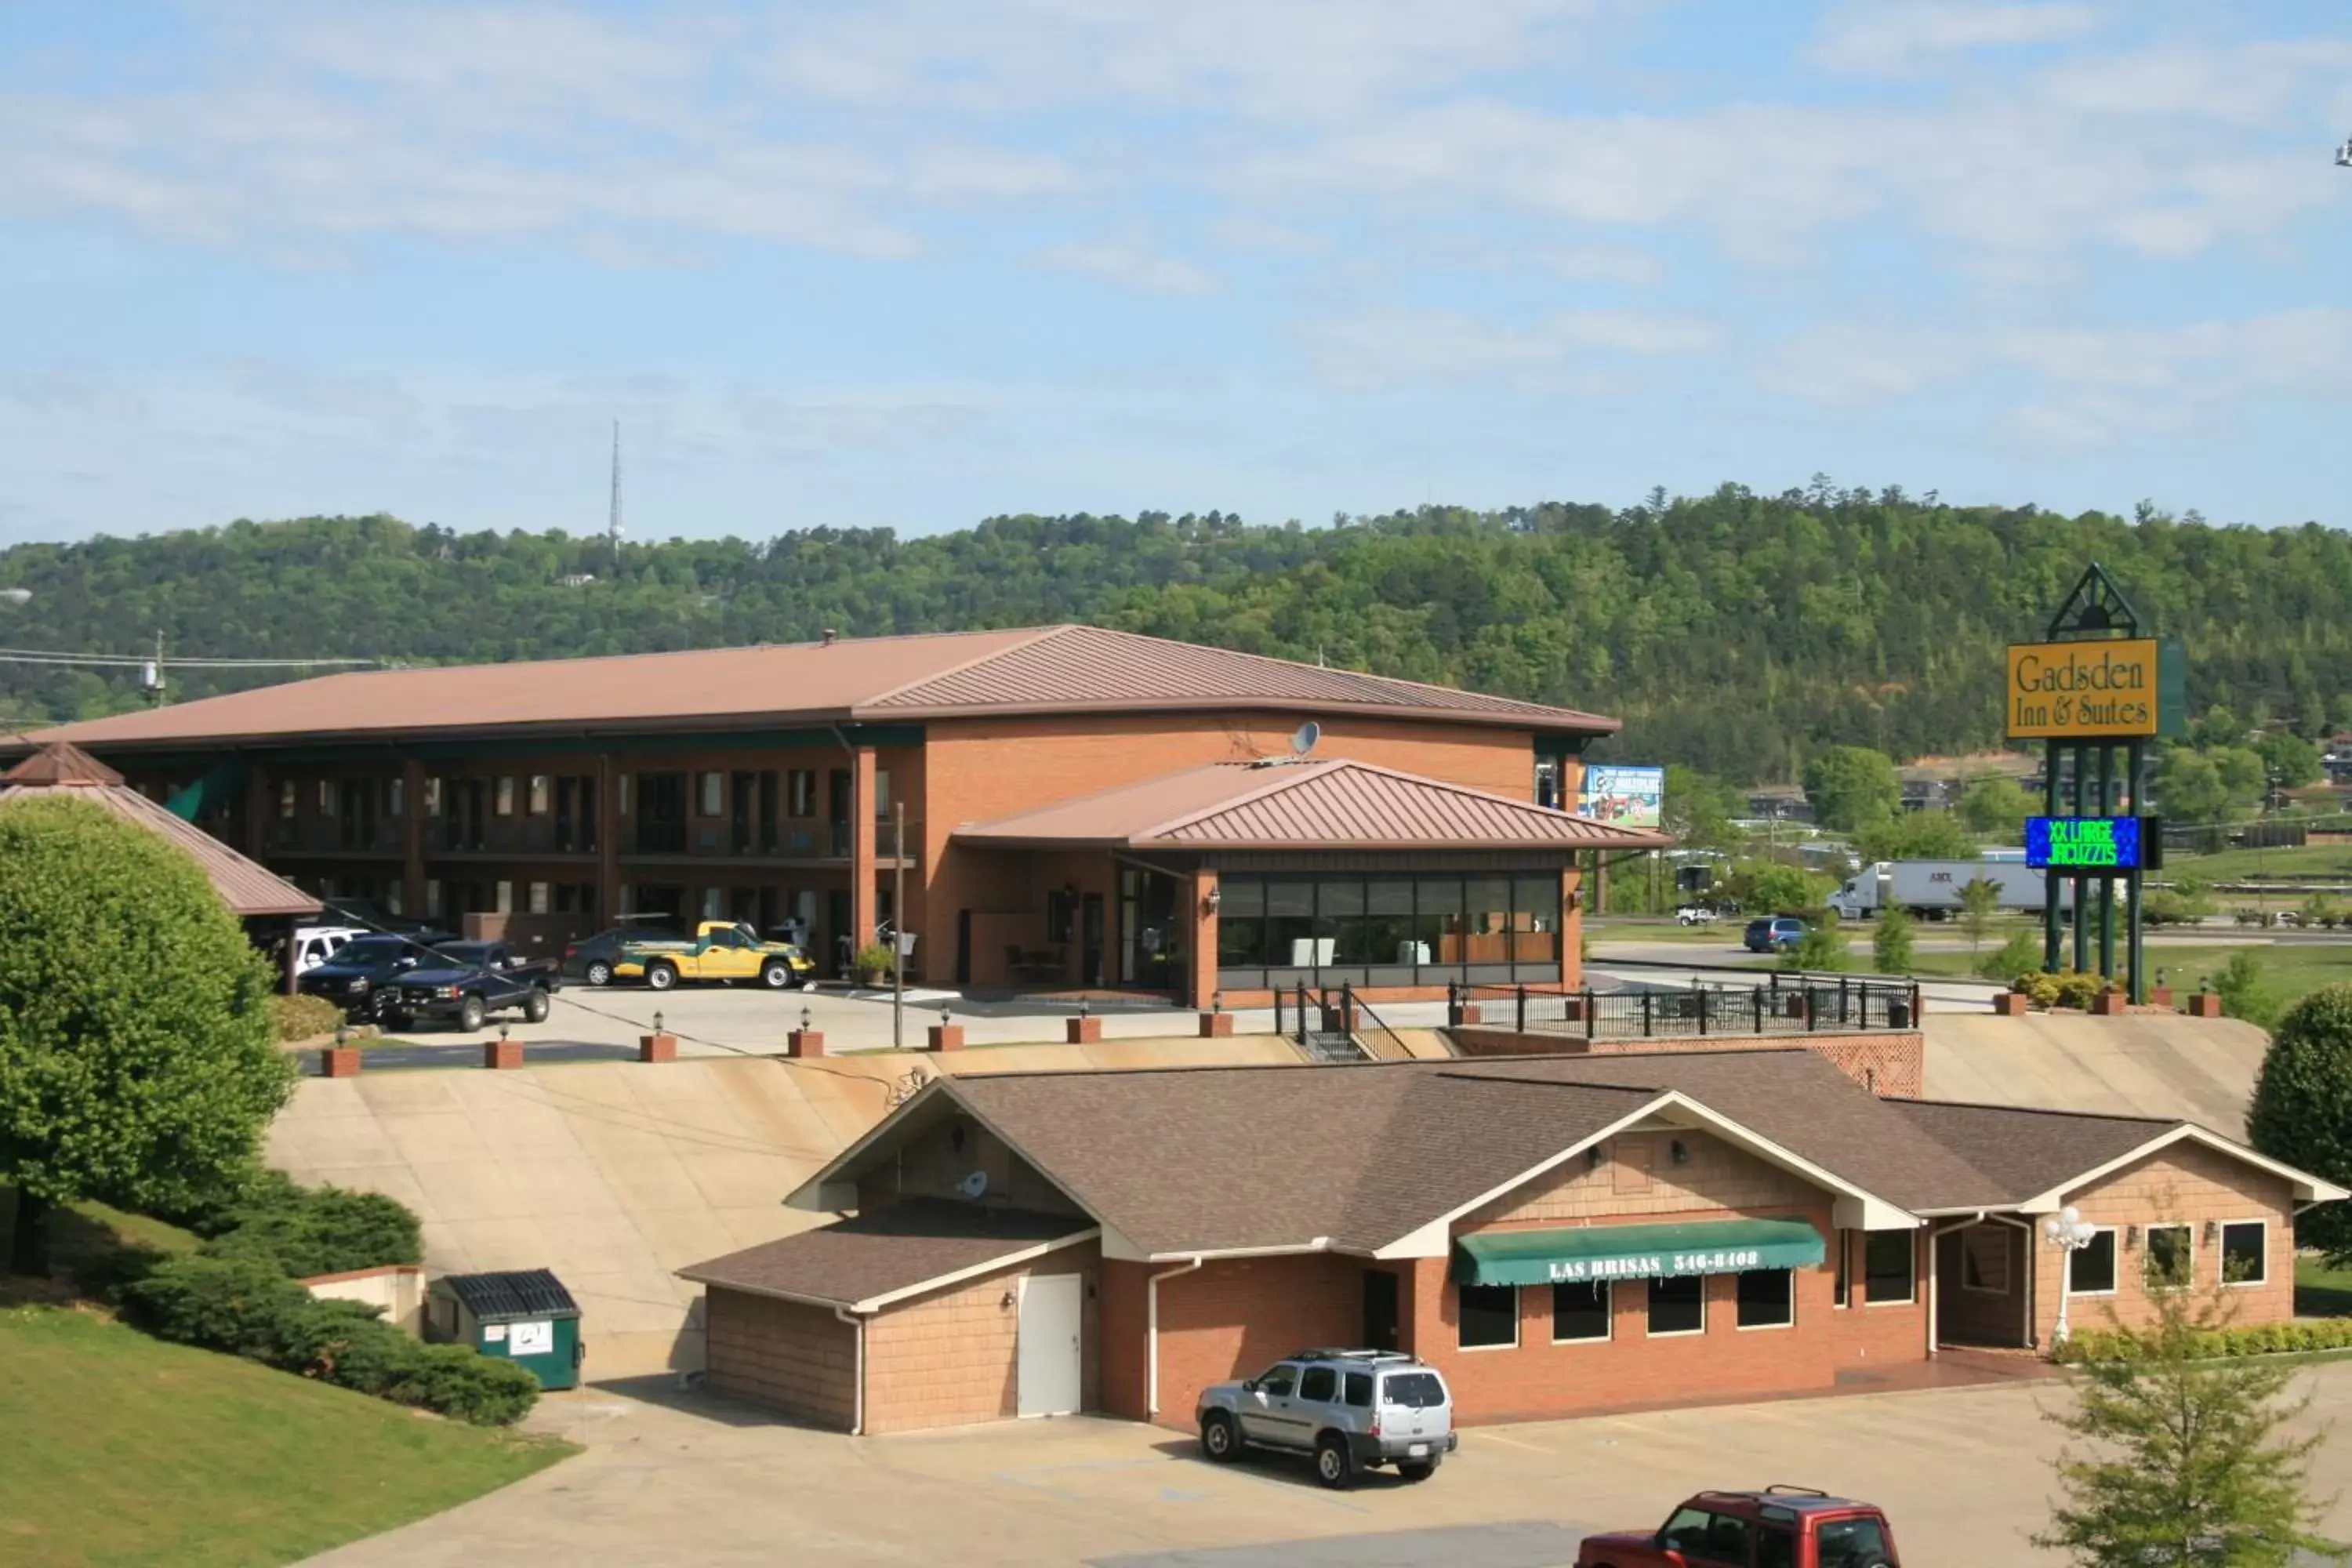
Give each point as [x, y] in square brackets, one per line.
[830, 636]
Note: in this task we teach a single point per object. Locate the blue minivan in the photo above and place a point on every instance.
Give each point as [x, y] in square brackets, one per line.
[1778, 933]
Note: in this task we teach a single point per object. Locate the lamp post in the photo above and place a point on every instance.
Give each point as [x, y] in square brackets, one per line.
[2070, 1233]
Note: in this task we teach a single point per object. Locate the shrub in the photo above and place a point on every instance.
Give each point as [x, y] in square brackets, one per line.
[2166, 908]
[2245, 993]
[303, 1231]
[2020, 953]
[1823, 947]
[2038, 985]
[244, 1307]
[2078, 989]
[874, 959]
[304, 1017]
[2300, 1336]
[1891, 944]
[2301, 1108]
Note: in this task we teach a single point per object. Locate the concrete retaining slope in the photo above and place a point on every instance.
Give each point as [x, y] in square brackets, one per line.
[2139, 1064]
[614, 1173]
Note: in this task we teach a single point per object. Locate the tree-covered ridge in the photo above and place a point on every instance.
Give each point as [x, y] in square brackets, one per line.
[1735, 632]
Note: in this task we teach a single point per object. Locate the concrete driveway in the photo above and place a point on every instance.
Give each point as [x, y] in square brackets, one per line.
[1966, 1475]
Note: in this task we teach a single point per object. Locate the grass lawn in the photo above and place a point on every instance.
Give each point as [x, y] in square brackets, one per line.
[123, 1449]
[2321, 1291]
[2317, 863]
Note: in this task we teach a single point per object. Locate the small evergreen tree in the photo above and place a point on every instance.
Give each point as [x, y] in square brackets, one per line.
[1979, 902]
[2183, 1462]
[1892, 945]
[1823, 946]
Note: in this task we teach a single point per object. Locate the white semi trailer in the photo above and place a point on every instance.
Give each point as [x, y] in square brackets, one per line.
[1930, 889]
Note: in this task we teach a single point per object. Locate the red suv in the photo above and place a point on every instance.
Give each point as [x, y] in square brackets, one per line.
[1780, 1527]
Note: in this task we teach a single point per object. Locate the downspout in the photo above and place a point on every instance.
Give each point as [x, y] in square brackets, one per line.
[856, 1372]
[1152, 1335]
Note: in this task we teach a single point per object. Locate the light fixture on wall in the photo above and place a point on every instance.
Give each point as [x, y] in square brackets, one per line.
[2212, 1231]
[1214, 900]
[2131, 1238]
[808, 1019]
[1005, 1304]
[1679, 1152]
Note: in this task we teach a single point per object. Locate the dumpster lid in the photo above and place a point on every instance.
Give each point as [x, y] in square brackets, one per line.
[517, 1293]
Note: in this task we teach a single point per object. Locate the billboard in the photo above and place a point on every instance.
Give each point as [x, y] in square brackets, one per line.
[2098, 690]
[2083, 843]
[1622, 797]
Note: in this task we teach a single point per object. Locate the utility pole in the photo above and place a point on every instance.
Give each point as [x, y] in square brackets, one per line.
[613, 524]
[897, 923]
[153, 673]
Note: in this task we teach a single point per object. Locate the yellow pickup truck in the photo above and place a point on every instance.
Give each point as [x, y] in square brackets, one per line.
[722, 951]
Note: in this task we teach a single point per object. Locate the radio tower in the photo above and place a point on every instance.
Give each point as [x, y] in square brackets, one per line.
[613, 527]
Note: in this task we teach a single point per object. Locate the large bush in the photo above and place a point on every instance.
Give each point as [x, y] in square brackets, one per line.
[138, 1055]
[302, 1231]
[2020, 954]
[2302, 1110]
[244, 1307]
[303, 1018]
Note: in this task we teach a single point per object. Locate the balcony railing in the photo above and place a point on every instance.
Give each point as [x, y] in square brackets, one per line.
[1778, 1005]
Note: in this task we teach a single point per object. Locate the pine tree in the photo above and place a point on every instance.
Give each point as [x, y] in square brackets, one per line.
[1891, 945]
[2186, 1464]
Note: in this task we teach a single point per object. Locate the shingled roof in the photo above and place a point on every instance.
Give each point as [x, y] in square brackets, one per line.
[1293, 804]
[867, 1261]
[891, 680]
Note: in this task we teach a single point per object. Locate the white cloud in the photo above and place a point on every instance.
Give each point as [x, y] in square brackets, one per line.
[1905, 38]
[1128, 262]
[1572, 351]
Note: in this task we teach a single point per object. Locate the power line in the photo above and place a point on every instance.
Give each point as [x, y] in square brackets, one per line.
[140, 661]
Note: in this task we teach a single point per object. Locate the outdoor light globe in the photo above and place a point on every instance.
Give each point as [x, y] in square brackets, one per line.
[2071, 1214]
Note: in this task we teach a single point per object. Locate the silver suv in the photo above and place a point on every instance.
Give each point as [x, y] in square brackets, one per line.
[1350, 1409]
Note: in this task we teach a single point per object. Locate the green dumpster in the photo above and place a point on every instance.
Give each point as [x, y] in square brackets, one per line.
[525, 1315]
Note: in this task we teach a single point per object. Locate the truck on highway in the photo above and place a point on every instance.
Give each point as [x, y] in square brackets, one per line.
[1930, 889]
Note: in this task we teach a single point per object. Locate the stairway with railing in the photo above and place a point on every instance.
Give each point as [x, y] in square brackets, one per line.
[1341, 1028]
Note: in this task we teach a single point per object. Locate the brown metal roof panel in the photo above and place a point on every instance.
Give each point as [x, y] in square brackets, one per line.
[887, 1251]
[246, 888]
[59, 762]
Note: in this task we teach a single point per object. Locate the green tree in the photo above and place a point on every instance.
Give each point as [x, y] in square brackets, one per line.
[2182, 1458]
[1980, 903]
[1890, 943]
[2245, 993]
[2245, 778]
[1697, 810]
[138, 1063]
[1850, 787]
[2302, 1108]
[1916, 835]
[2291, 759]
[2188, 787]
[1768, 887]
[2020, 952]
[2216, 728]
[1823, 946]
[1997, 808]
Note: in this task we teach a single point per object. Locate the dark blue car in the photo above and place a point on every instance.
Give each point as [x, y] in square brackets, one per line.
[1775, 933]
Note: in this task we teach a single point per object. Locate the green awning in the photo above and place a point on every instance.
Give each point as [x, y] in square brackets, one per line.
[218, 787]
[1635, 1251]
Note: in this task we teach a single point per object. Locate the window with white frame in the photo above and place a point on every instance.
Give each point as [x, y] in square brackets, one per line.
[1984, 1260]
[506, 899]
[1888, 1270]
[506, 795]
[710, 794]
[2091, 1271]
[1488, 1317]
[2245, 1252]
[1767, 1298]
[1580, 1310]
[1678, 1306]
[538, 897]
[326, 797]
[541, 789]
[2171, 1259]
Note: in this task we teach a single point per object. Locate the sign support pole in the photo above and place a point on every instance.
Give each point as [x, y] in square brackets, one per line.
[2136, 763]
[2082, 883]
[2108, 792]
[2052, 752]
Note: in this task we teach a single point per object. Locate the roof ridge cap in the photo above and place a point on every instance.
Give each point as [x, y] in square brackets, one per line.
[1278, 780]
[1354, 674]
[2044, 1110]
[1034, 636]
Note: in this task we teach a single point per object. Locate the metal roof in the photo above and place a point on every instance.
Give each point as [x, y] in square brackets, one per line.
[517, 1293]
[1045, 669]
[245, 886]
[1340, 803]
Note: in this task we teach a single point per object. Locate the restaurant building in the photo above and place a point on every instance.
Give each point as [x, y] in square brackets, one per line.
[1067, 807]
[1559, 1235]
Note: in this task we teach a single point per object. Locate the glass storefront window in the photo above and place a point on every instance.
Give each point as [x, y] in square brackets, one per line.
[1339, 923]
[1535, 919]
[1388, 922]
[1241, 923]
[1386, 930]
[1290, 924]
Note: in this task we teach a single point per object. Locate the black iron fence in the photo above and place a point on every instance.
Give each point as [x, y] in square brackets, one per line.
[1777, 1004]
[1302, 1010]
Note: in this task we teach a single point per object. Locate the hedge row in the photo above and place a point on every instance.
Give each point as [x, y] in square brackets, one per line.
[245, 1306]
[2213, 1345]
[2062, 988]
[302, 1231]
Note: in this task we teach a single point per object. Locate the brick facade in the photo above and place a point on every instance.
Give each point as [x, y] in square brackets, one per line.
[951, 1358]
[797, 1357]
[1889, 1063]
[1228, 1319]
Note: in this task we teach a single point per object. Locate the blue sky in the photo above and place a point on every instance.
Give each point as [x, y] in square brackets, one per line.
[914, 262]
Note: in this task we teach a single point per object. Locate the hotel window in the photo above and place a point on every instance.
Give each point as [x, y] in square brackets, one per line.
[433, 896]
[1768, 1299]
[2171, 1257]
[803, 792]
[1842, 1292]
[711, 905]
[1580, 1310]
[1678, 1306]
[2092, 1271]
[1489, 1316]
[881, 795]
[539, 897]
[2245, 1252]
[711, 792]
[326, 797]
[506, 793]
[539, 791]
[1887, 1274]
[433, 797]
[621, 799]
[505, 905]
[285, 800]
[395, 795]
[1984, 1260]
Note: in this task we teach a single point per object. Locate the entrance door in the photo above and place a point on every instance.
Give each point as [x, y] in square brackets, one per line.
[1380, 1309]
[1048, 1346]
[1090, 940]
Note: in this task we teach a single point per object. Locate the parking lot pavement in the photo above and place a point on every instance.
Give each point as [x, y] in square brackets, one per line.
[1966, 1476]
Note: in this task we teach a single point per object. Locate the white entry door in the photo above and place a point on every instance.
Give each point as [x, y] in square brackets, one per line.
[1051, 1308]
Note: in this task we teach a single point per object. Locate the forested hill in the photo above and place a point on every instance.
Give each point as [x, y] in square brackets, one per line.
[1734, 632]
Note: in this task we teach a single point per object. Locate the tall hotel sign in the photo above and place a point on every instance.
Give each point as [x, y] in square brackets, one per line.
[2090, 690]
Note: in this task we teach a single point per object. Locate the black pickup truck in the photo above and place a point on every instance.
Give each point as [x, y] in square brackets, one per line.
[470, 981]
[362, 976]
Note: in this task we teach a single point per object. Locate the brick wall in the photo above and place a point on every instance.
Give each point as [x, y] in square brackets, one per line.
[799, 1358]
[953, 1357]
[1892, 1064]
[2187, 1183]
[1228, 1319]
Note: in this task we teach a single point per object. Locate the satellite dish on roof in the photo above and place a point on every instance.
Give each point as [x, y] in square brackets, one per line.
[974, 1185]
[1303, 738]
